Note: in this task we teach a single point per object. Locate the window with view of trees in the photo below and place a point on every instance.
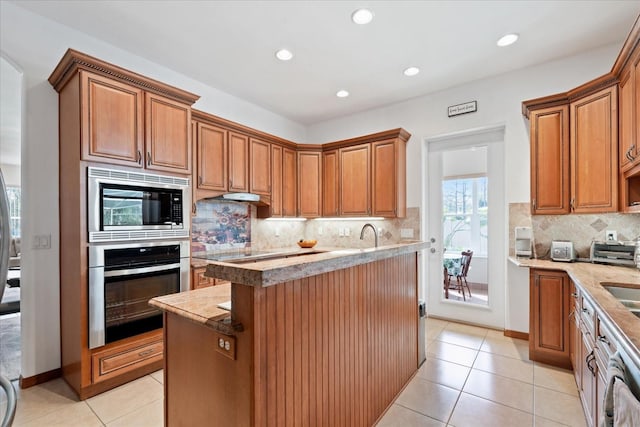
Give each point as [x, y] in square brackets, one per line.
[464, 216]
[15, 205]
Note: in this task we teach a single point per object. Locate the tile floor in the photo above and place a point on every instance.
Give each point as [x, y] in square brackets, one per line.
[472, 377]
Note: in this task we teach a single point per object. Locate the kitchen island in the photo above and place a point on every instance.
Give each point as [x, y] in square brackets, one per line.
[325, 338]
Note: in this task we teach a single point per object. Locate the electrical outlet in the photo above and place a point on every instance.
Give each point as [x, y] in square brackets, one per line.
[341, 232]
[277, 232]
[611, 236]
[41, 241]
[347, 231]
[319, 231]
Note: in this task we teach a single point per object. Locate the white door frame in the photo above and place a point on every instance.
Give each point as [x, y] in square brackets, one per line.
[494, 314]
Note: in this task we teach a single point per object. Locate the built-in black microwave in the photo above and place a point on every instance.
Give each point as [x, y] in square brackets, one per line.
[125, 205]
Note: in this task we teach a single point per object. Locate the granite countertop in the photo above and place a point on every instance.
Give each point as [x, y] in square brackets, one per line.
[590, 278]
[200, 305]
[297, 264]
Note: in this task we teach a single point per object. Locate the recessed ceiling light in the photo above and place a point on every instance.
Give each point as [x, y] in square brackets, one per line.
[362, 16]
[507, 39]
[284, 55]
[342, 93]
[411, 71]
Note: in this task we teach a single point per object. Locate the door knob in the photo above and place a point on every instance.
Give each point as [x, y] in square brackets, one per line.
[432, 240]
[433, 250]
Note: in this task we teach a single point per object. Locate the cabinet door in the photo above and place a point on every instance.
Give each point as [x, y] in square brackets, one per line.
[635, 124]
[289, 182]
[309, 184]
[388, 179]
[330, 183]
[627, 105]
[276, 180]
[550, 160]
[199, 280]
[167, 135]
[355, 175]
[238, 162]
[211, 158]
[588, 379]
[112, 121]
[549, 318]
[594, 153]
[260, 167]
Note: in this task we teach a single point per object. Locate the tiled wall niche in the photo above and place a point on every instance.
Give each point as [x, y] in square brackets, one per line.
[580, 229]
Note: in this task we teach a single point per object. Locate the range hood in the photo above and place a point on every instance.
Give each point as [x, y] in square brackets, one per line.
[255, 199]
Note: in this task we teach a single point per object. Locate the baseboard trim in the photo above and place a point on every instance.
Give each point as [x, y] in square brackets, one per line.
[40, 378]
[515, 334]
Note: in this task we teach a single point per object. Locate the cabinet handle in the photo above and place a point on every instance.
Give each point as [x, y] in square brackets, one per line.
[574, 294]
[603, 339]
[590, 359]
[572, 204]
[148, 158]
[199, 180]
[533, 202]
[193, 208]
[139, 157]
[585, 310]
[628, 155]
[145, 353]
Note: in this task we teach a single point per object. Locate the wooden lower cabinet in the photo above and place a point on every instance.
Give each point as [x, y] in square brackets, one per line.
[549, 338]
[588, 374]
[119, 359]
[199, 280]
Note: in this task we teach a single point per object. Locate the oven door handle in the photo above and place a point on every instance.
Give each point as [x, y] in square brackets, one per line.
[143, 270]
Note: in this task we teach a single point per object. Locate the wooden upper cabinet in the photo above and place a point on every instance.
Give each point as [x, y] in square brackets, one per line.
[550, 160]
[355, 171]
[112, 121]
[388, 167]
[238, 162]
[289, 182]
[594, 152]
[549, 339]
[210, 158]
[330, 183]
[627, 113]
[276, 180]
[259, 167]
[167, 134]
[309, 184]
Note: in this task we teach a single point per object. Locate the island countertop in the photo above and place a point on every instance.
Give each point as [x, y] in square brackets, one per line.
[591, 277]
[300, 264]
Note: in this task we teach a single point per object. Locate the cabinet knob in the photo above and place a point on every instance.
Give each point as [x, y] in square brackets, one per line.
[574, 294]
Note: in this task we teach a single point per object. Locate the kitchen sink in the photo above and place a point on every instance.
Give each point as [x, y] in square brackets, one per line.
[627, 294]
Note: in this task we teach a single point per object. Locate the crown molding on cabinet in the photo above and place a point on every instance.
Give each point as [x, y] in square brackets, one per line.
[73, 61]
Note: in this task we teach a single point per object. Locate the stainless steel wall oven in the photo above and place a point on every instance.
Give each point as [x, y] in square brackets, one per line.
[124, 277]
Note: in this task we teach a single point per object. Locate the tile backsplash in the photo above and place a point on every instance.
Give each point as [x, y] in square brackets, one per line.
[220, 226]
[579, 228]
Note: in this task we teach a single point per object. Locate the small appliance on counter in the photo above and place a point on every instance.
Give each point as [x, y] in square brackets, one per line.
[613, 253]
[524, 239]
[562, 250]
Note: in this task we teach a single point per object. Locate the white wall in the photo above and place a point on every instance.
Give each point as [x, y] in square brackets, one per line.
[36, 45]
[464, 162]
[11, 174]
[499, 102]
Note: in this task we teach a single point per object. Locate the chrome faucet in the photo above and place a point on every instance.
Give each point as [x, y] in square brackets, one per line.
[375, 232]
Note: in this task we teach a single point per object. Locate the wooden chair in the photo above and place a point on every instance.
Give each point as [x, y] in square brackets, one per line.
[461, 277]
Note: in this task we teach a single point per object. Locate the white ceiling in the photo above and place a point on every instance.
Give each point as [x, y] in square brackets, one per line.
[230, 45]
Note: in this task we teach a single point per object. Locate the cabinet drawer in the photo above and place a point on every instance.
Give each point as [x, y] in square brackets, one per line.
[588, 315]
[605, 344]
[116, 361]
[200, 280]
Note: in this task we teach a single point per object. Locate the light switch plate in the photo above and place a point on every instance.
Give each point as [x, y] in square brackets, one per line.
[406, 233]
[611, 236]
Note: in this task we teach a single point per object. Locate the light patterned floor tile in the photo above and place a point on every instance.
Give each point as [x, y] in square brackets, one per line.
[555, 378]
[452, 353]
[430, 399]
[467, 329]
[521, 370]
[125, 399]
[399, 416]
[543, 422]
[158, 376]
[151, 415]
[463, 339]
[436, 323]
[506, 391]
[518, 349]
[560, 407]
[443, 372]
[76, 414]
[36, 402]
[477, 412]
